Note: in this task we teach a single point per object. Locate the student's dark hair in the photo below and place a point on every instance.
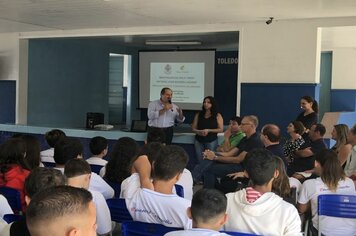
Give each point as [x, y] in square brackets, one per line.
[42, 178]
[150, 150]
[66, 149]
[320, 128]
[155, 135]
[171, 160]
[238, 119]
[12, 152]
[164, 90]
[97, 145]
[298, 127]
[214, 107]
[315, 105]
[260, 165]
[280, 185]
[271, 131]
[53, 136]
[54, 202]
[76, 167]
[332, 171]
[33, 150]
[207, 204]
[118, 166]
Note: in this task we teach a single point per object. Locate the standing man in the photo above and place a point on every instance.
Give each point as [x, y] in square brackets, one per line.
[162, 113]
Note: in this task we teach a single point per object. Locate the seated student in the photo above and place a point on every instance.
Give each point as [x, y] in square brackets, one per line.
[232, 135]
[208, 213]
[62, 210]
[78, 172]
[160, 205]
[40, 179]
[332, 180]
[51, 138]
[13, 166]
[4, 207]
[257, 209]
[33, 149]
[99, 148]
[70, 148]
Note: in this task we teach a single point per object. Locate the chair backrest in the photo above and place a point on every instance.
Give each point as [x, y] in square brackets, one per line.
[179, 190]
[13, 197]
[135, 228]
[116, 186]
[336, 205]
[238, 233]
[118, 210]
[49, 164]
[9, 218]
[96, 168]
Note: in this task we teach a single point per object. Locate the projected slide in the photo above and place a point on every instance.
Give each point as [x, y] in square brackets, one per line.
[185, 79]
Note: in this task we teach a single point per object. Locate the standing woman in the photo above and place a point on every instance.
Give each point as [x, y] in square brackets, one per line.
[341, 147]
[309, 115]
[332, 180]
[206, 125]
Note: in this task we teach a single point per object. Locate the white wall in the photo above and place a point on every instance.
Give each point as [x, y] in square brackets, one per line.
[344, 68]
[9, 57]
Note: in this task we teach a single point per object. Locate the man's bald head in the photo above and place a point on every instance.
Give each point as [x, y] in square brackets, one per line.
[272, 132]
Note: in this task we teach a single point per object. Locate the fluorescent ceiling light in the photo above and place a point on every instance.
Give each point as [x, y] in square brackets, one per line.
[153, 42]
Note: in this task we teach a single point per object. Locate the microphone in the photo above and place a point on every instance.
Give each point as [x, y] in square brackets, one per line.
[170, 102]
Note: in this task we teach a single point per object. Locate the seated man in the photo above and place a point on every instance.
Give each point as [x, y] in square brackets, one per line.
[71, 148]
[256, 209]
[229, 162]
[99, 148]
[208, 212]
[304, 158]
[232, 135]
[39, 179]
[62, 210]
[52, 138]
[78, 172]
[160, 205]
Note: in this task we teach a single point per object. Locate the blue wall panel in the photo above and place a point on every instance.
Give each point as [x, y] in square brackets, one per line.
[275, 103]
[7, 101]
[343, 100]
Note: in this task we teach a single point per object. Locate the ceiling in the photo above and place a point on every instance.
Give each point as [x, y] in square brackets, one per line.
[48, 15]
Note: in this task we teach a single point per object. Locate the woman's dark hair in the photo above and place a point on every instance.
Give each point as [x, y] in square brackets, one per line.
[298, 127]
[331, 170]
[214, 107]
[12, 152]
[280, 185]
[309, 99]
[33, 150]
[118, 166]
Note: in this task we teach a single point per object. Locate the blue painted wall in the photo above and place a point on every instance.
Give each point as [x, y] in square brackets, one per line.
[343, 100]
[275, 103]
[7, 101]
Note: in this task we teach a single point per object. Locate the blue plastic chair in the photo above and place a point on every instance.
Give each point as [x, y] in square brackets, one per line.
[13, 197]
[96, 168]
[179, 190]
[9, 218]
[336, 205]
[135, 228]
[118, 210]
[238, 233]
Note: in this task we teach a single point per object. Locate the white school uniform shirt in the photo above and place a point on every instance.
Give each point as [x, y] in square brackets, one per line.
[97, 184]
[268, 215]
[96, 161]
[47, 155]
[4, 207]
[186, 181]
[195, 232]
[152, 207]
[4, 227]
[103, 218]
[311, 189]
[295, 183]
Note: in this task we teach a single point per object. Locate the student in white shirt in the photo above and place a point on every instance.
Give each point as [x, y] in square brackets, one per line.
[332, 180]
[99, 148]
[208, 213]
[154, 202]
[70, 148]
[78, 172]
[51, 138]
[4, 207]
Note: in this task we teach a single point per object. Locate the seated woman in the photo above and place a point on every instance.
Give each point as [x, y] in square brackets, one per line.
[295, 129]
[341, 147]
[332, 180]
[13, 166]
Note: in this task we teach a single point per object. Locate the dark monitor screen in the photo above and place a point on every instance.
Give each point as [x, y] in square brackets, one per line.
[139, 126]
